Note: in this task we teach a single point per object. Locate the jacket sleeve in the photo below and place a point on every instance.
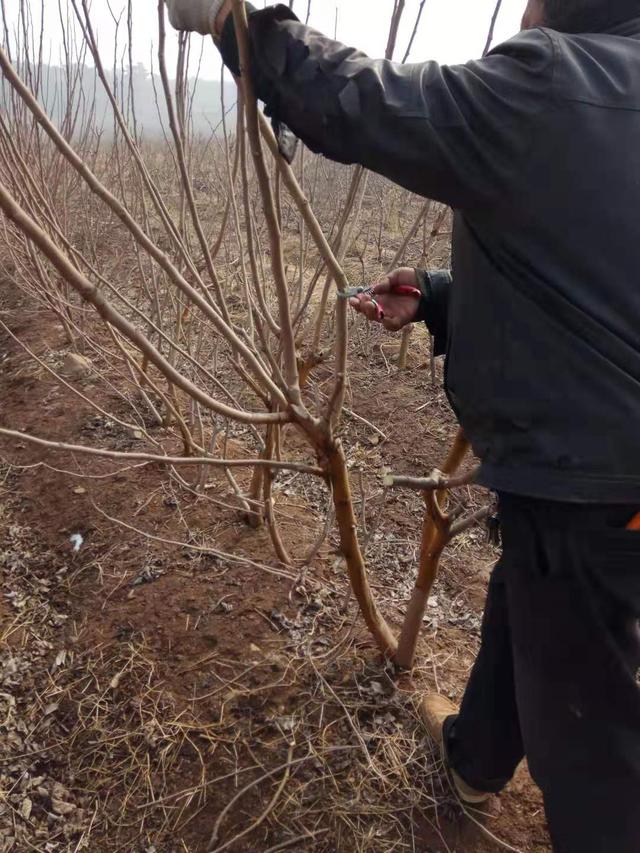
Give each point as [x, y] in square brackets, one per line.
[434, 305]
[452, 133]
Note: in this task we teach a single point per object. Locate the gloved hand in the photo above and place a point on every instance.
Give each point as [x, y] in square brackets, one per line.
[208, 17]
[195, 16]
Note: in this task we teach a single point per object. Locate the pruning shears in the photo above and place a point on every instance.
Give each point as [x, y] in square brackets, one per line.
[395, 289]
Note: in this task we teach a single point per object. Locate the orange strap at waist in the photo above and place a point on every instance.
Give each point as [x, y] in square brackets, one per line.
[634, 524]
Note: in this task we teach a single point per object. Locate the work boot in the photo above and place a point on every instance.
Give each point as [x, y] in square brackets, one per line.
[435, 710]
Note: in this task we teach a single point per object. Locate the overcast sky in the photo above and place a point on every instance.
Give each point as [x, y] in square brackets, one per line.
[451, 30]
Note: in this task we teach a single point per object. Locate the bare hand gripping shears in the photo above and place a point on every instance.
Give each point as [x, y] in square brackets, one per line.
[394, 289]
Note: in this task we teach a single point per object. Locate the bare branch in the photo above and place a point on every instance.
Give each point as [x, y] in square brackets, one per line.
[60, 446]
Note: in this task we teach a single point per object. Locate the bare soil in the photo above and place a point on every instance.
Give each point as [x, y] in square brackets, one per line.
[147, 682]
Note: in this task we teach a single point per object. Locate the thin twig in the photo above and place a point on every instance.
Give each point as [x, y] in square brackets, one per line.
[492, 28]
[256, 823]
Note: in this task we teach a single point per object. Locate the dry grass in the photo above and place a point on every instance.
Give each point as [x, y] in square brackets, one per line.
[312, 744]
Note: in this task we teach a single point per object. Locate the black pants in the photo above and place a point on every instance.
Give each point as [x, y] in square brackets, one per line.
[555, 678]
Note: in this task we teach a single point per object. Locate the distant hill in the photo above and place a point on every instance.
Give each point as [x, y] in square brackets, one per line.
[90, 101]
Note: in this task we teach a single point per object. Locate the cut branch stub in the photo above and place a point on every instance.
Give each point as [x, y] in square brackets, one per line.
[438, 529]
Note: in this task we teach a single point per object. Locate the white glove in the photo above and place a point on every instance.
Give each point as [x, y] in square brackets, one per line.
[194, 16]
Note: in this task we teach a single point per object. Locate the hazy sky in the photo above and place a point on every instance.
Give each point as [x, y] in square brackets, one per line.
[450, 31]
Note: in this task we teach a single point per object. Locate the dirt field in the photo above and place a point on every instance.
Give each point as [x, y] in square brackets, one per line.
[158, 696]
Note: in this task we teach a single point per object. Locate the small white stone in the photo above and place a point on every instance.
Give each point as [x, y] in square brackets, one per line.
[75, 366]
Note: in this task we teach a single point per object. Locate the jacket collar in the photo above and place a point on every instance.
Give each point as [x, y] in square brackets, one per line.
[630, 29]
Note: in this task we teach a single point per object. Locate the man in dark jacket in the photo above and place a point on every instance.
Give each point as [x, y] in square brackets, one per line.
[537, 149]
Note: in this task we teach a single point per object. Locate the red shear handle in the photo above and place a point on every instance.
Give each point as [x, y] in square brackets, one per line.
[396, 290]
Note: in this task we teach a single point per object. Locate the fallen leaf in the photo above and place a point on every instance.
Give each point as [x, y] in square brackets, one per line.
[62, 808]
[115, 681]
[25, 809]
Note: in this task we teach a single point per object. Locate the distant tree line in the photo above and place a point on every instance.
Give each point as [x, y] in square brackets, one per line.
[58, 87]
